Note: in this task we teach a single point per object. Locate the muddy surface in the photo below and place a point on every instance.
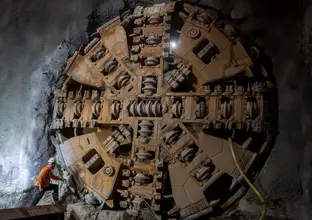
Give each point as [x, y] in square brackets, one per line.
[37, 36]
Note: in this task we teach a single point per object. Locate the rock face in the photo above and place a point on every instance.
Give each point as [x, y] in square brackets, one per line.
[32, 33]
[87, 212]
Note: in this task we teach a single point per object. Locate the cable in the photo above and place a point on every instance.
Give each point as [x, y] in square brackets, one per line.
[263, 209]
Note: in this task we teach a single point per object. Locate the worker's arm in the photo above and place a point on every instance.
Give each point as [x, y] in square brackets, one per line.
[55, 177]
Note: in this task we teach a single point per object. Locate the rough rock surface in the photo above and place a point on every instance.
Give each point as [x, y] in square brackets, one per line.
[37, 36]
[87, 212]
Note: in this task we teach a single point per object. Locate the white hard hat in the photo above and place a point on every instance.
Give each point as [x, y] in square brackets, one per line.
[51, 160]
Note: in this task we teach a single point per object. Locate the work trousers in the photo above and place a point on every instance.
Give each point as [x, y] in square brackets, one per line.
[39, 194]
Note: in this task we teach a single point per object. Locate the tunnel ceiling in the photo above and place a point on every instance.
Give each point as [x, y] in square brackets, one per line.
[145, 109]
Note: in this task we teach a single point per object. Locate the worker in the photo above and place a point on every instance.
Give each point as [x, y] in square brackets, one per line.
[43, 183]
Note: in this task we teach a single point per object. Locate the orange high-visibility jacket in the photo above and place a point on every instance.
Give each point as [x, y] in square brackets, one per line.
[45, 176]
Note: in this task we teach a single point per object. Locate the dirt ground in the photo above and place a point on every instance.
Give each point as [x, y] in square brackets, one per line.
[37, 36]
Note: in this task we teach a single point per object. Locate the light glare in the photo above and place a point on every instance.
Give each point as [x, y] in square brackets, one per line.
[173, 44]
